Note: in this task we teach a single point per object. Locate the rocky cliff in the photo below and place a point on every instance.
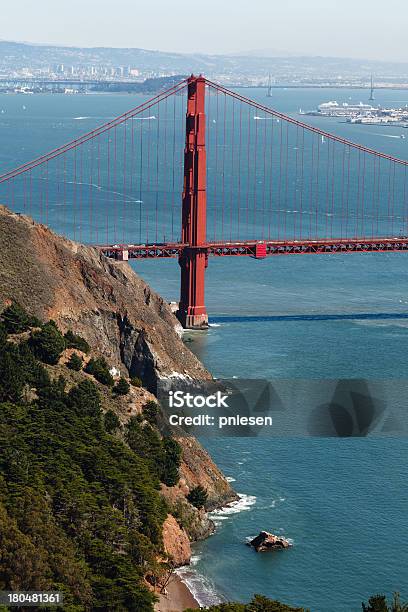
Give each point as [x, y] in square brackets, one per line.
[121, 318]
[102, 300]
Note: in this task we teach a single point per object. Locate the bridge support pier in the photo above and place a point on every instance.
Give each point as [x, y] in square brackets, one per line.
[192, 312]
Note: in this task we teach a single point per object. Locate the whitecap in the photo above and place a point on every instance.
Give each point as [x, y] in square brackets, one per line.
[243, 504]
[195, 559]
[250, 538]
[199, 586]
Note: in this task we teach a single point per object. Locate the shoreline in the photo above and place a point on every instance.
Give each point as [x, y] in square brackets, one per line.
[190, 588]
[178, 598]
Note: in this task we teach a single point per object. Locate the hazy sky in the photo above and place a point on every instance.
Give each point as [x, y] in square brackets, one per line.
[374, 29]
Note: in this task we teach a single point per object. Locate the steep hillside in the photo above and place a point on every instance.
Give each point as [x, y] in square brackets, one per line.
[120, 317]
[102, 300]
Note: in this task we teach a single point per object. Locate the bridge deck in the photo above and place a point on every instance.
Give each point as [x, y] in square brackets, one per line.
[258, 248]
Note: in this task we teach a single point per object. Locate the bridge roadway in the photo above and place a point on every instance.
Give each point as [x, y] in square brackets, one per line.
[259, 249]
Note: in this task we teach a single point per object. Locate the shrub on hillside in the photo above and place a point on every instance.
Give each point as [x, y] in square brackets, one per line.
[258, 604]
[164, 454]
[76, 342]
[48, 343]
[136, 381]
[3, 334]
[111, 421]
[379, 603]
[171, 462]
[85, 399]
[122, 387]
[198, 496]
[100, 370]
[11, 377]
[16, 320]
[75, 362]
[151, 411]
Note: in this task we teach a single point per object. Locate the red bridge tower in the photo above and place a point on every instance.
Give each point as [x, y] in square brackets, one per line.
[193, 260]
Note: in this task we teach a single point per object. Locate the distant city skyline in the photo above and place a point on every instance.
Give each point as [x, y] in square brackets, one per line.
[367, 29]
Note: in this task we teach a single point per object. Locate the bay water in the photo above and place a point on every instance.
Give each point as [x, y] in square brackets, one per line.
[343, 502]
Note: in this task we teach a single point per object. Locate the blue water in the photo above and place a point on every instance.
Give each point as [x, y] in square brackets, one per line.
[343, 502]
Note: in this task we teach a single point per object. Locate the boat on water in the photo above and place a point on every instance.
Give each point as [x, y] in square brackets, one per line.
[362, 113]
[334, 109]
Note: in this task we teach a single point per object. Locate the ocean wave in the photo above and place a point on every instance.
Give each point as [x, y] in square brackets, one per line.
[243, 504]
[202, 589]
[194, 560]
[273, 503]
[199, 586]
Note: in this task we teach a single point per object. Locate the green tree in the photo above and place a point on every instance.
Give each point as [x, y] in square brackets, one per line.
[258, 604]
[79, 510]
[198, 496]
[136, 381]
[3, 334]
[16, 320]
[171, 462]
[122, 387]
[48, 343]
[99, 369]
[75, 362]
[397, 605]
[85, 399]
[263, 604]
[76, 342]
[376, 603]
[151, 412]
[111, 421]
[11, 377]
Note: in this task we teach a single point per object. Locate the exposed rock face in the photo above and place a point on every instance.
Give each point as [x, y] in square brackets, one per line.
[197, 470]
[176, 542]
[195, 522]
[268, 541]
[102, 300]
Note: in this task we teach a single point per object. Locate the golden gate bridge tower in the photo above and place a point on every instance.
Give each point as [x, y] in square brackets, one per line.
[193, 259]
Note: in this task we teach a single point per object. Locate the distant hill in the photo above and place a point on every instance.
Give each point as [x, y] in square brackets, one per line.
[15, 55]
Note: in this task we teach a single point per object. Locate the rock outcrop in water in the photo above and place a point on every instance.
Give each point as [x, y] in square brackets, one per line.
[265, 541]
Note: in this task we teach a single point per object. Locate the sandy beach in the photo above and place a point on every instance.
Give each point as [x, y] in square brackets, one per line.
[178, 598]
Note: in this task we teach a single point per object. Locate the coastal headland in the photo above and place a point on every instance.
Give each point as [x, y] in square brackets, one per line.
[134, 330]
